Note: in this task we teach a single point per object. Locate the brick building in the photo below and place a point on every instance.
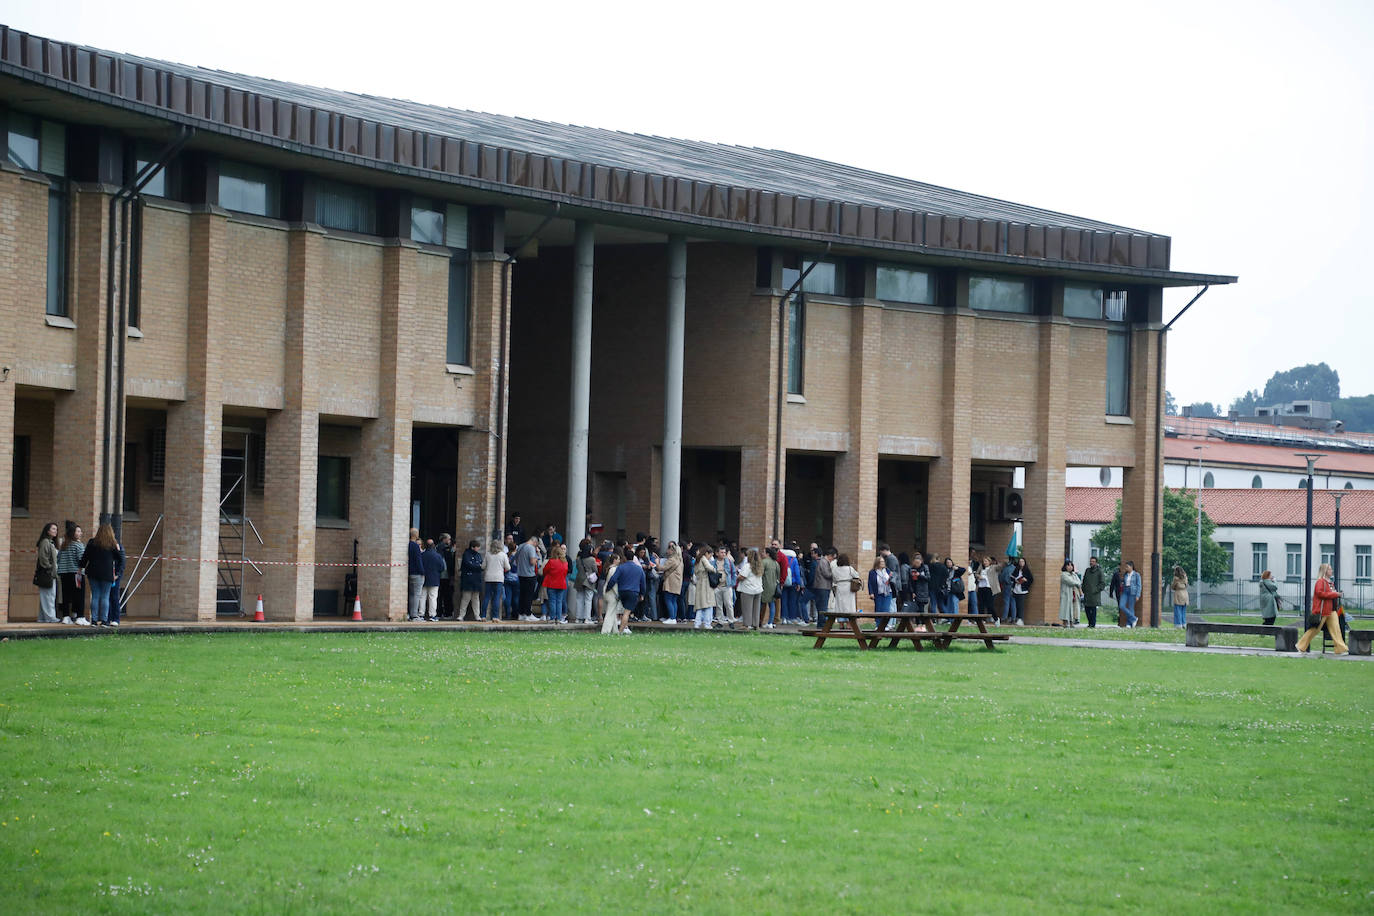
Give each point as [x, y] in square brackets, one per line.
[328, 315]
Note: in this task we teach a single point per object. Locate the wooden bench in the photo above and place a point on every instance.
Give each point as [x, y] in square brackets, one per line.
[987, 638]
[1285, 637]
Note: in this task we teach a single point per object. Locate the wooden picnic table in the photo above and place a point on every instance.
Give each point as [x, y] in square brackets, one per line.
[905, 626]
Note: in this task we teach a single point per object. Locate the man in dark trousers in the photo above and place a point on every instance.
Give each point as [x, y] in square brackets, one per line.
[470, 582]
[445, 548]
[1093, 582]
[433, 565]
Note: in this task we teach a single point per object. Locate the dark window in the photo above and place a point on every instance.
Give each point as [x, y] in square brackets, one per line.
[456, 352]
[159, 184]
[157, 455]
[331, 493]
[57, 251]
[257, 461]
[19, 484]
[130, 477]
[23, 141]
[1208, 481]
[1082, 301]
[231, 482]
[346, 207]
[977, 518]
[796, 334]
[906, 284]
[826, 278]
[249, 189]
[1000, 294]
[427, 223]
[1230, 548]
[41, 146]
[1118, 373]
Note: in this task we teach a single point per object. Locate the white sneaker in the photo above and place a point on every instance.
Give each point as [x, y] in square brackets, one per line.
[114, 623]
[625, 632]
[66, 620]
[82, 621]
[670, 621]
[1020, 623]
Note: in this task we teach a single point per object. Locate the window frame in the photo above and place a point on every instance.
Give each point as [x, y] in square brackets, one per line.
[1293, 564]
[1230, 548]
[21, 477]
[932, 283]
[1364, 563]
[1259, 560]
[345, 479]
[999, 281]
[361, 196]
[270, 179]
[1124, 406]
[796, 337]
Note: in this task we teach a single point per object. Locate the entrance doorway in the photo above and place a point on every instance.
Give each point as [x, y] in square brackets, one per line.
[434, 482]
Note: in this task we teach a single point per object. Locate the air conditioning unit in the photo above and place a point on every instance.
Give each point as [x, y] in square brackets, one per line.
[1008, 504]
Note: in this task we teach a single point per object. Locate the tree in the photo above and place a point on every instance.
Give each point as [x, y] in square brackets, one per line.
[1180, 541]
[1245, 405]
[1203, 409]
[1356, 413]
[1304, 383]
[1170, 405]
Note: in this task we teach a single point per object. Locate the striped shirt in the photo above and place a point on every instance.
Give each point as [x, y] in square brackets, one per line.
[69, 557]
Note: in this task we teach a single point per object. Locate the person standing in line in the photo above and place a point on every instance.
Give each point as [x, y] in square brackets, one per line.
[45, 574]
[1130, 592]
[920, 583]
[1022, 580]
[1269, 598]
[769, 597]
[450, 558]
[653, 581]
[750, 588]
[1118, 576]
[71, 592]
[433, 565]
[893, 569]
[994, 569]
[688, 560]
[1094, 579]
[1179, 587]
[846, 599]
[703, 592]
[1326, 608]
[1006, 577]
[880, 590]
[628, 583]
[986, 578]
[671, 568]
[471, 584]
[610, 602]
[970, 580]
[515, 530]
[494, 568]
[527, 570]
[556, 583]
[511, 584]
[102, 561]
[584, 582]
[954, 586]
[1070, 588]
[939, 584]
[725, 592]
[416, 572]
[822, 582]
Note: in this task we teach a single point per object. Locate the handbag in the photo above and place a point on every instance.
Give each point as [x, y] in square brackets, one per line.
[713, 578]
[855, 585]
[42, 577]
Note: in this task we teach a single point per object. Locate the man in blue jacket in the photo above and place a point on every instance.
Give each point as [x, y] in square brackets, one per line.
[470, 582]
[434, 569]
[415, 581]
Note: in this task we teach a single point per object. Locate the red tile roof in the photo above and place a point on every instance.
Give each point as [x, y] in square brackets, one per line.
[1261, 508]
[1268, 456]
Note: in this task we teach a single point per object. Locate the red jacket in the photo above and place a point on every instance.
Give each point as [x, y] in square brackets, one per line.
[1324, 598]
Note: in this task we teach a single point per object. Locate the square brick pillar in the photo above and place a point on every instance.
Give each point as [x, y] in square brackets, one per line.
[482, 448]
[78, 415]
[1042, 530]
[381, 501]
[7, 388]
[293, 441]
[1141, 527]
[947, 502]
[855, 518]
[756, 496]
[195, 434]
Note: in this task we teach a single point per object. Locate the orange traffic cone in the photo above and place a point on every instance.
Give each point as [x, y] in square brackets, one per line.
[257, 615]
[357, 608]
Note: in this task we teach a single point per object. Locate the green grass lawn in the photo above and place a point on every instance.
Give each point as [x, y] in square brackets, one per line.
[424, 772]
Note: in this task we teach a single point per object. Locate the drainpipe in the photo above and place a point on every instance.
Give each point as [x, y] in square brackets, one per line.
[502, 370]
[782, 392]
[1155, 553]
[112, 478]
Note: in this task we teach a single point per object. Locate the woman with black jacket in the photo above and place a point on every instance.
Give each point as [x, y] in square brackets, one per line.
[1020, 588]
[920, 584]
[102, 561]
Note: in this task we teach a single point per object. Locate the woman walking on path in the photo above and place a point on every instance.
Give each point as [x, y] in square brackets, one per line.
[750, 588]
[1325, 604]
[1070, 590]
[703, 592]
[45, 574]
[1269, 598]
[102, 560]
[556, 583]
[846, 598]
[1179, 587]
[72, 599]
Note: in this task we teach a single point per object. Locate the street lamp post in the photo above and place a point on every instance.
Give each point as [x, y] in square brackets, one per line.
[1336, 556]
[1198, 581]
[1312, 460]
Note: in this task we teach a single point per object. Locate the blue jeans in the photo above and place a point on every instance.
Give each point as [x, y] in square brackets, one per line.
[790, 604]
[670, 605]
[882, 604]
[1180, 614]
[820, 597]
[1016, 607]
[512, 598]
[100, 600]
[1128, 605]
[557, 603]
[651, 599]
[492, 594]
[973, 602]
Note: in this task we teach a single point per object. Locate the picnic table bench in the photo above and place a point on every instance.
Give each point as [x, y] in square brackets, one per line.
[902, 626]
[1285, 637]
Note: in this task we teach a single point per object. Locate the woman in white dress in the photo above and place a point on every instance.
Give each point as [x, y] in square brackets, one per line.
[846, 598]
[610, 601]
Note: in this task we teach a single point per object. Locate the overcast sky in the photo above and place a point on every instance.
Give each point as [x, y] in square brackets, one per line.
[1240, 129]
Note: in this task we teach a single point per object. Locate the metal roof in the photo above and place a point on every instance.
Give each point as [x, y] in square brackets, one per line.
[779, 194]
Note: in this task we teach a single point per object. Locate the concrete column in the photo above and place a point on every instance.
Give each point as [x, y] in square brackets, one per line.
[670, 478]
[855, 518]
[580, 385]
[481, 449]
[195, 434]
[293, 441]
[947, 502]
[383, 474]
[1141, 527]
[1042, 532]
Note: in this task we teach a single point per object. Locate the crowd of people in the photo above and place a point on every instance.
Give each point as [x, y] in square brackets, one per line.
[68, 568]
[536, 577]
